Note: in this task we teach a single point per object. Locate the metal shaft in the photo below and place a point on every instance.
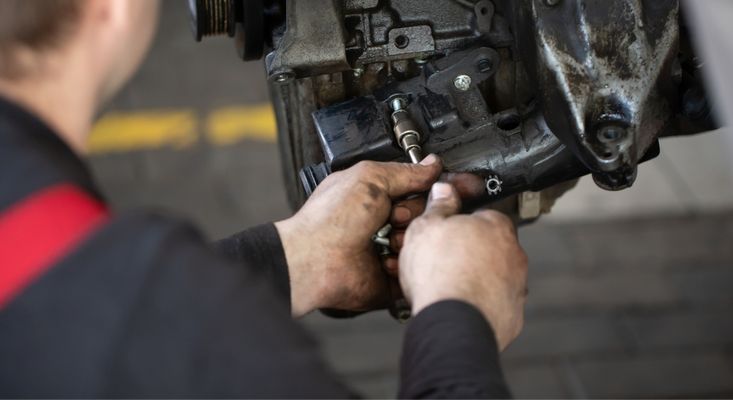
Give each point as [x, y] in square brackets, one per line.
[408, 137]
[405, 131]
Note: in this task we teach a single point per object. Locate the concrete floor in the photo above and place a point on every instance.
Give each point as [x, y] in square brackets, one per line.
[630, 292]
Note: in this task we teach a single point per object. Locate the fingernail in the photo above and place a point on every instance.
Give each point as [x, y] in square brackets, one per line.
[440, 191]
[429, 160]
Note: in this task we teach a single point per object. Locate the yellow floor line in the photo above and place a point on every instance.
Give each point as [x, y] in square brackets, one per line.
[129, 131]
[147, 130]
[229, 125]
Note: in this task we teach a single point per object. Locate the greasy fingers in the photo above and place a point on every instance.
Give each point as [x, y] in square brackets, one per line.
[402, 179]
[397, 240]
[443, 201]
[401, 216]
[406, 210]
[391, 265]
[468, 186]
[473, 258]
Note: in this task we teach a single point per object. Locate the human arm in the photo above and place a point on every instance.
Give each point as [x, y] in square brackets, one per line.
[465, 276]
[259, 248]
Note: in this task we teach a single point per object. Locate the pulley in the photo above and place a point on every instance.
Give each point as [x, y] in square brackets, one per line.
[244, 20]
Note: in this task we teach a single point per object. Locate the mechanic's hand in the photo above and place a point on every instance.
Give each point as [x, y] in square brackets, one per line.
[331, 259]
[474, 258]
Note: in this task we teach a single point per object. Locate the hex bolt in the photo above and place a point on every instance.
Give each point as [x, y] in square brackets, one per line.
[485, 65]
[462, 82]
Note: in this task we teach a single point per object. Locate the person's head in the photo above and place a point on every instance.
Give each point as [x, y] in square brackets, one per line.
[98, 43]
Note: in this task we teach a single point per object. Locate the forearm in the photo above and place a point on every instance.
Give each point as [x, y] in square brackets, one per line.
[450, 352]
[259, 248]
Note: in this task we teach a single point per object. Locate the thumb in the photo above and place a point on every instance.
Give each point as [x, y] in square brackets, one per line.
[443, 201]
[402, 179]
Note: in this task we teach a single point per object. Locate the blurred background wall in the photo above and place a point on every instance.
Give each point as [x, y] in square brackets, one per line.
[630, 292]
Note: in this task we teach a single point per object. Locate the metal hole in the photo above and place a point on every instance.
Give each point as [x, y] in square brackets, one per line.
[611, 134]
[509, 122]
[401, 41]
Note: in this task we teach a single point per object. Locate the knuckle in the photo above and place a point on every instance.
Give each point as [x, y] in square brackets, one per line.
[335, 176]
[451, 202]
[364, 167]
[419, 175]
[422, 224]
[498, 218]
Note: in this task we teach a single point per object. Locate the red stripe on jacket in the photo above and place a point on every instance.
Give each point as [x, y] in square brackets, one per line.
[40, 230]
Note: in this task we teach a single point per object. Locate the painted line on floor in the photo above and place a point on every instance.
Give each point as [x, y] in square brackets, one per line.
[125, 131]
[128, 131]
[229, 125]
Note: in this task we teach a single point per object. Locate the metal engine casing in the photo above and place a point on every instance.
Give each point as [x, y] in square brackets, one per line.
[559, 88]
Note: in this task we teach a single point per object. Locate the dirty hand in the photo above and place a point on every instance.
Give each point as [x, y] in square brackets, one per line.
[331, 259]
[473, 258]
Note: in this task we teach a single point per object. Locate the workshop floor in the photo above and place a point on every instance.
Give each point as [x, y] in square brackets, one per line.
[630, 292]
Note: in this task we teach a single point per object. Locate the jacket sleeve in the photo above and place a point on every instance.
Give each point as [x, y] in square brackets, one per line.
[205, 327]
[259, 248]
[450, 351]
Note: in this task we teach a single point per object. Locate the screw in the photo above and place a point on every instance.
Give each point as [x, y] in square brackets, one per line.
[283, 77]
[462, 82]
[485, 65]
[398, 103]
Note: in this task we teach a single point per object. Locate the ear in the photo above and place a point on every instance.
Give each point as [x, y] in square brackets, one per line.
[121, 34]
[109, 16]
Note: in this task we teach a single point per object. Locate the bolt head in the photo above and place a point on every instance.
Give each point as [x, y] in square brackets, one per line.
[283, 77]
[462, 82]
[552, 3]
[398, 103]
[485, 65]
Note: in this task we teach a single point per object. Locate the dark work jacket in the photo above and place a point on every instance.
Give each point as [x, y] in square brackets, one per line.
[142, 306]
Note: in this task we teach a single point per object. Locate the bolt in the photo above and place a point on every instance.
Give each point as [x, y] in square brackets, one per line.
[462, 82]
[283, 77]
[358, 72]
[485, 65]
[552, 3]
[398, 103]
